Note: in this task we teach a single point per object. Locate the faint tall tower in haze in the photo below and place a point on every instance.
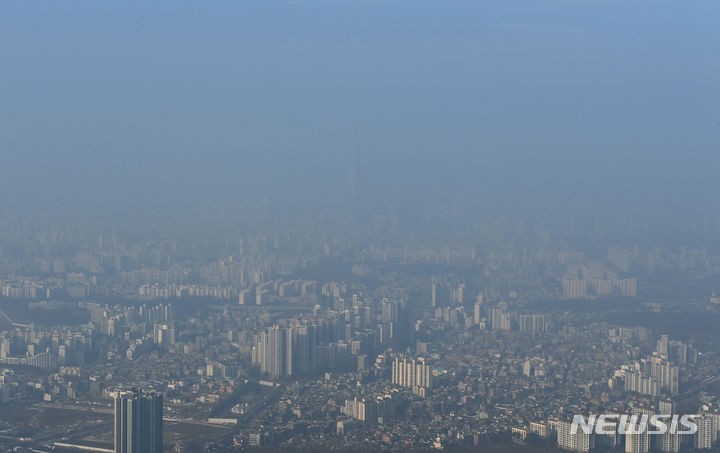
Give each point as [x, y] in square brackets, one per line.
[352, 183]
[352, 175]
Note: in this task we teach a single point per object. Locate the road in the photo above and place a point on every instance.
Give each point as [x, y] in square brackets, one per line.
[14, 324]
[99, 410]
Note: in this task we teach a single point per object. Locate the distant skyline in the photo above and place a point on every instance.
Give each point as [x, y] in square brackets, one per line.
[497, 106]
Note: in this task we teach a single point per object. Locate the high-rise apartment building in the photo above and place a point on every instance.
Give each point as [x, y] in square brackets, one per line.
[499, 319]
[635, 381]
[532, 323]
[138, 421]
[276, 348]
[704, 435]
[286, 351]
[411, 373]
[477, 313]
[4, 389]
[669, 442]
[574, 288]
[636, 438]
[577, 441]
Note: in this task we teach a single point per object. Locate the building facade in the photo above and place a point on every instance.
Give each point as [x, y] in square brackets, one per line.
[138, 421]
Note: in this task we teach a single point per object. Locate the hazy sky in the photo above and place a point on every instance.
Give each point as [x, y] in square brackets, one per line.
[512, 103]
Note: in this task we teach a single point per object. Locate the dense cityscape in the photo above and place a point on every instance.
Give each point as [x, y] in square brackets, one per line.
[329, 340]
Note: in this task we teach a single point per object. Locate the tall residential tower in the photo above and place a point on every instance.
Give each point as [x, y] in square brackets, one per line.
[138, 421]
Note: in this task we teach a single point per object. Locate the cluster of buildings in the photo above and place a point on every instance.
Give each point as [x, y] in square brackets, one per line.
[658, 372]
[370, 410]
[412, 373]
[655, 258]
[496, 317]
[25, 288]
[447, 293]
[74, 285]
[344, 337]
[45, 348]
[378, 354]
[651, 376]
[140, 320]
[276, 291]
[593, 287]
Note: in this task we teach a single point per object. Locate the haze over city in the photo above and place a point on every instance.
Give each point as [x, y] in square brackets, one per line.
[476, 102]
[358, 226]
